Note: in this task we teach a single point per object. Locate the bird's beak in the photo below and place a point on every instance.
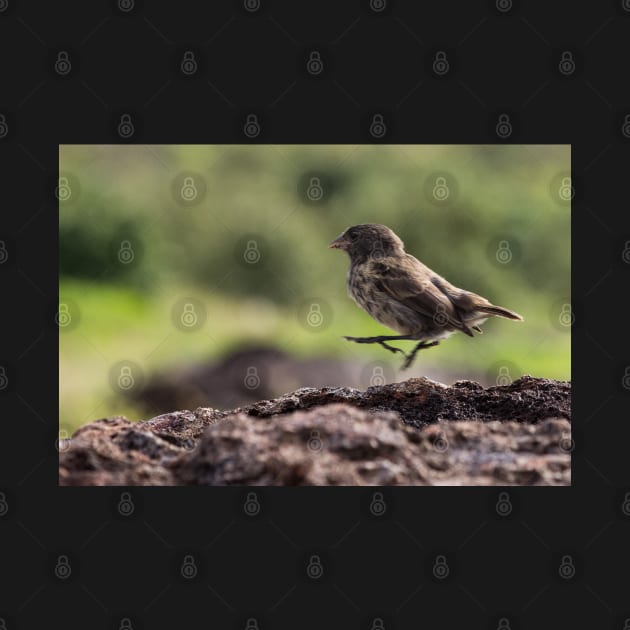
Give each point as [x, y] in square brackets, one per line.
[339, 243]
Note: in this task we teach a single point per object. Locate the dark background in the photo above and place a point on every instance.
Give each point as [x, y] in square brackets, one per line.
[374, 61]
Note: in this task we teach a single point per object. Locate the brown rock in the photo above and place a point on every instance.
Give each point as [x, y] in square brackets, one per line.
[417, 432]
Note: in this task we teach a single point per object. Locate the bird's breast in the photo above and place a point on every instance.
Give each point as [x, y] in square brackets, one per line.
[359, 286]
[381, 307]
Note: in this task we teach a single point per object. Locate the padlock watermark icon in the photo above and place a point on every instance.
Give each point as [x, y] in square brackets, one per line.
[251, 5]
[314, 569]
[125, 379]
[440, 443]
[188, 188]
[314, 65]
[189, 314]
[63, 66]
[125, 376]
[126, 5]
[189, 64]
[377, 127]
[189, 317]
[378, 506]
[251, 128]
[378, 253]
[315, 190]
[251, 255]
[63, 441]
[4, 379]
[441, 570]
[625, 254]
[503, 505]
[63, 190]
[252, 380]
[625, 127]
[315, 318]
[63, 317]
[566, 318]
[63, 570]
[378, 377]
[439, 316]
[125, 504]
[126, 253]
[503, 377]
[503, 6]
[4, 253]
[566, 191]
[441, 188]
[126, 127]
[566, 443]
[441, 66]
[503, 253]
[378, 5]
[315, 315]
[189, 568]
[315, 443]
[188, 191]
[441, 191]
[251, 507]
[503, 128]
[566, 66]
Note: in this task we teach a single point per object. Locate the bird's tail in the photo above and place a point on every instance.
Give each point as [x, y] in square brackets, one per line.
[500, 311]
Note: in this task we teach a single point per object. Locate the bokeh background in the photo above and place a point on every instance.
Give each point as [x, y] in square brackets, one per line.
[201, 275]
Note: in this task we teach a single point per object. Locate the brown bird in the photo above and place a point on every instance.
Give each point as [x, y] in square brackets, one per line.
[398, 291]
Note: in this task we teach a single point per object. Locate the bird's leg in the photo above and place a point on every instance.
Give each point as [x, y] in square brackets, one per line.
[394, 350]
[381, 340]
[412, 355]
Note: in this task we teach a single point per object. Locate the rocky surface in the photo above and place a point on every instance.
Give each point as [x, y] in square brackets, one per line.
[415, 432]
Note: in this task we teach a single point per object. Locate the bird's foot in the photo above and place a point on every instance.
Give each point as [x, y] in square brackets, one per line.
[391, 348]
[380, 340]
[412, 355]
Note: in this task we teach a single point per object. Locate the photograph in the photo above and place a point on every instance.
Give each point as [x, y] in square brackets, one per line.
[316, 283]
[314, 315]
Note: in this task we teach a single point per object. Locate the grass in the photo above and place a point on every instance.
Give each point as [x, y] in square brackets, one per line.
[121, 324]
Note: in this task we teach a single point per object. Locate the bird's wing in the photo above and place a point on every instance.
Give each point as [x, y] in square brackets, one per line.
[462, 300]
[410, 282]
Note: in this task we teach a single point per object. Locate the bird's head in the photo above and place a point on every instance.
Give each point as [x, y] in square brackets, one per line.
[369, 240]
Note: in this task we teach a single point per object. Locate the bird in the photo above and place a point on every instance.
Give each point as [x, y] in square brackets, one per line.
[405, 295]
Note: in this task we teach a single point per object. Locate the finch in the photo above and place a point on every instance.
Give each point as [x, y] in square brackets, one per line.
[400, 292]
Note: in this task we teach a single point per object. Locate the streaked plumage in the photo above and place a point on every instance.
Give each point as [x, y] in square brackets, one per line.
[402, 293]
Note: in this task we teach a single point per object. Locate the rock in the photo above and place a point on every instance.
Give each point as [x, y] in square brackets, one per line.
[420, 401]
[417, 432]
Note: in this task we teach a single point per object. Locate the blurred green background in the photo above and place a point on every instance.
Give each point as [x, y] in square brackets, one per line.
[173, 256]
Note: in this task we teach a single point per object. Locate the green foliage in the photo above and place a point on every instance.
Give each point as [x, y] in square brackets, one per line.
[132, 194]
